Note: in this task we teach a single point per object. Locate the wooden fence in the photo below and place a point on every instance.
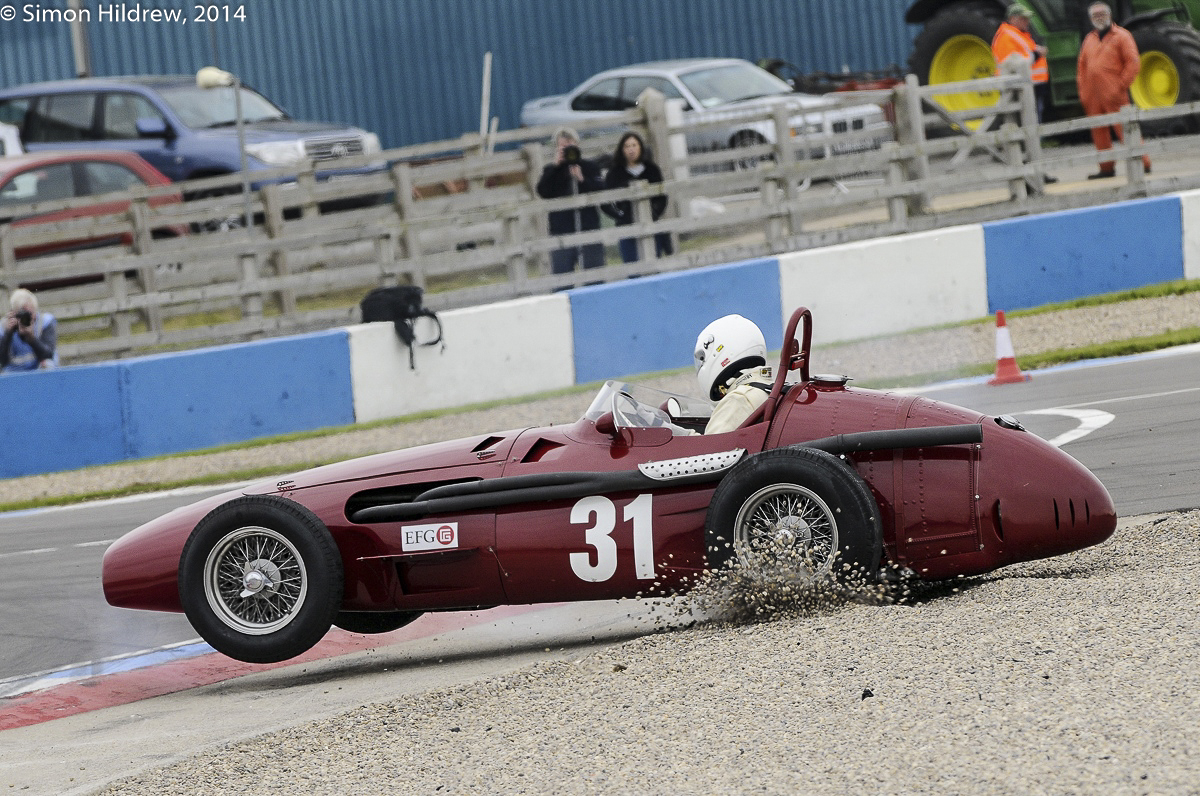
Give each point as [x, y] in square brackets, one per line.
[462, 218]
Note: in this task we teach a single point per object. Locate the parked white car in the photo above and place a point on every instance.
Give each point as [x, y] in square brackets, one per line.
[10, 140]
[717, 89]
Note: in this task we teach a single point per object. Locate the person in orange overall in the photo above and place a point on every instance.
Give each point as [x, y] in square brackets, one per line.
[1014, 39]
[1108, 64]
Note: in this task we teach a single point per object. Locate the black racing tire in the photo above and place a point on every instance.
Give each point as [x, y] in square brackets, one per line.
[1170, 74]
[369, 623]
[260, 579]
[956, 45]
[748, 138]
[796, 501]
[229, 220]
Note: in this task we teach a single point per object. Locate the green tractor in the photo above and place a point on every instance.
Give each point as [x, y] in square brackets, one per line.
[955, 44]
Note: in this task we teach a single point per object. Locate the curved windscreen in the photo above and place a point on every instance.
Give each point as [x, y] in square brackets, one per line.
[644, 406]
[199, 108]
[721, 85]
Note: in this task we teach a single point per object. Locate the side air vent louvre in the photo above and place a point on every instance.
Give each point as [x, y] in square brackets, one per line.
[387, 496]
[539, 450]
[487, 444]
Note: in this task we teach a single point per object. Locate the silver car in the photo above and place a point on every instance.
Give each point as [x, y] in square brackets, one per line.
[728, 90]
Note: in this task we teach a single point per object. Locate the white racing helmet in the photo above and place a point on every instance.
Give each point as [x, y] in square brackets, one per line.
[725, 348]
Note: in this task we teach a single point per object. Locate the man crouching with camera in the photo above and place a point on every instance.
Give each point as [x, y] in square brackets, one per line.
[30, 338]
[569, 175]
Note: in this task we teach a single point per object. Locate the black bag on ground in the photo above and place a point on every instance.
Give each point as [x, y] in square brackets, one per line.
[402, 305]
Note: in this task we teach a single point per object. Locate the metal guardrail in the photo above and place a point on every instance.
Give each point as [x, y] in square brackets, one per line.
[462, 219]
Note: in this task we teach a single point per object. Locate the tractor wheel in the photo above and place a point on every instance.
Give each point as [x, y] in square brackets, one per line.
[1170, 74]
[955, 45]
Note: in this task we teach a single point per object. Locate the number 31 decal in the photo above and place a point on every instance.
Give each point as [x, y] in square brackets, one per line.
[600, 515]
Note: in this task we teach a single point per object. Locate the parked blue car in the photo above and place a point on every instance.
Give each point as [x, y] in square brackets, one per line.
[183, 130]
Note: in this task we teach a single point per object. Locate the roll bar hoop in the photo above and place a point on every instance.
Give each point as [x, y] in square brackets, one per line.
[793, 356]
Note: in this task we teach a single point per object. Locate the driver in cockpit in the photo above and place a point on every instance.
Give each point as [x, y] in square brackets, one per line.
[731, 368]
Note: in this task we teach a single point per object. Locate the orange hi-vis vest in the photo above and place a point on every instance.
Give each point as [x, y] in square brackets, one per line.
[1010, 39]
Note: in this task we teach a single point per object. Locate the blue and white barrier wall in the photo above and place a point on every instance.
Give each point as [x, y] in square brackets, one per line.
[648, 324]
[96, 414]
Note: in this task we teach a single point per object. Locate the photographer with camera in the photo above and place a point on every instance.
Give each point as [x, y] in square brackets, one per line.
[569, 175]
[30, 339]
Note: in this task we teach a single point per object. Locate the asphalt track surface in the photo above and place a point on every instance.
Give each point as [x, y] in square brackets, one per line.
[1134, 423]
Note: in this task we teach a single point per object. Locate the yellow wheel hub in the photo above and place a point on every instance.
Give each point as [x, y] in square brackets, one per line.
[964, 57]
[1157, 84]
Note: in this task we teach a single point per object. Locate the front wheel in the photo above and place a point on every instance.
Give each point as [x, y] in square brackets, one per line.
[260, 579]
[226, 218]
[799, 508]
[744, 140]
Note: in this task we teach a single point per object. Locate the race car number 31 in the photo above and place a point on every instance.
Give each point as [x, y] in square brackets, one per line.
[599, 514]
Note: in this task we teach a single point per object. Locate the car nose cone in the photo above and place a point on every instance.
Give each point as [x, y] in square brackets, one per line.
[1042, 501]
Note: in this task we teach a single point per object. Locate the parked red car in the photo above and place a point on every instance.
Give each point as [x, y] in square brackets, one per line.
[625, 502]
[58, 176]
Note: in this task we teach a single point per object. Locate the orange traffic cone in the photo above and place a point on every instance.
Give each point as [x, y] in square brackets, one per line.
[1007, 370]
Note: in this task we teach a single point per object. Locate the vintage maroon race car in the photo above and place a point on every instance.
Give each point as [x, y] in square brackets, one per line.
[625, 502]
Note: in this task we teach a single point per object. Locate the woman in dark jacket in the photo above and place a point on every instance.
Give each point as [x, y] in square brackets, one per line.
[632, 162]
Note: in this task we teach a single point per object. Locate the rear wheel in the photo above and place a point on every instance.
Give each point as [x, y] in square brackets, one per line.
[955, 45]
[798, 508]
[1170, 74]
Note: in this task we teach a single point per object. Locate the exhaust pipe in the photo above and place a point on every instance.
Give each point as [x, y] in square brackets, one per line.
[892, 439]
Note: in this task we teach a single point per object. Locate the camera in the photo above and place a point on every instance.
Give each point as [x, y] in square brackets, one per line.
[571, 155]
[24, 317]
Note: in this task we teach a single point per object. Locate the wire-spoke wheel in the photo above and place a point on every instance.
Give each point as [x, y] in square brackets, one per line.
[785, 521]
[255, 580]
[797, 508]
[260, 579]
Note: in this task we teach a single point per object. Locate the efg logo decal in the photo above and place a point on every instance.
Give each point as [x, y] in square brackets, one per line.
[435, 536]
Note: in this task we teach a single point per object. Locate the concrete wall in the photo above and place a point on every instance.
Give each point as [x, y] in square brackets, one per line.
[62, 419]
[496, 351]
[80, 416]
[649, 324]
[95, 414]
[215, 396]
[1061, 256]
[888, 285]
[1190, 214]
